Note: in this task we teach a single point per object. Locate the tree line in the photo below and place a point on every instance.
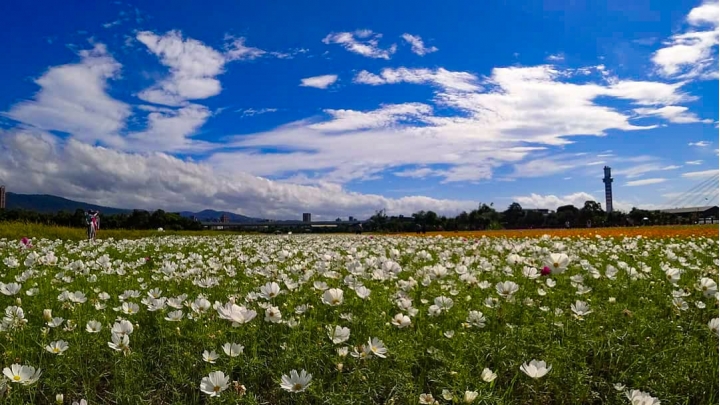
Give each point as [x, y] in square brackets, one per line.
[137, 219]
[516, 217]
[482, 218]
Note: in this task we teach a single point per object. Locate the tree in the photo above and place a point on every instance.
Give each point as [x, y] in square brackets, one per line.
[591, 211]
[567, 213]
[512, 215]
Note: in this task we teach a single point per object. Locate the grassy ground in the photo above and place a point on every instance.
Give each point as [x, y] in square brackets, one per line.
[18, 230]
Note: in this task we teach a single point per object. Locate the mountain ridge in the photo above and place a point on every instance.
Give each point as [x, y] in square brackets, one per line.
[47, 203]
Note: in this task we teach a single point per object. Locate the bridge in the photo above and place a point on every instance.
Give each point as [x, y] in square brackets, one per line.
[703, 193]
[281, 224]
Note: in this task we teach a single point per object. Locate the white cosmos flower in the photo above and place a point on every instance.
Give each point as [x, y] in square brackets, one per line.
[487, 375]
[215, 383]
[362, 292]
[236, 314]
[58, 347]
[507, 289]
[295, 382]
[638, 397]
[476, 319]
[209, 357]
[10, 288]
[122, 328]
[536, 369]
[557, 262]
[401, 321]
[427, 399]
[174, 316]
[708, 286]
[338, 334]
[270, 290]
[273, 315]
[120, 343]
[580, 308]
[377, 347]
[713, 325]
[470, 396]
[233, 349]
[130, 308]
[22, 374]
[333, 297]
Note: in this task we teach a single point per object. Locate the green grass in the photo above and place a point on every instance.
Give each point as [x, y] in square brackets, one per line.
[18, 230]
[640, 340]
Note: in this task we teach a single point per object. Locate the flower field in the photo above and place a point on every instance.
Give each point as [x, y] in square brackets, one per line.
[302, 319]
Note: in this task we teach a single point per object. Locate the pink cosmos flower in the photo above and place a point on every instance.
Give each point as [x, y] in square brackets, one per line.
[545, 271]
[26, 242]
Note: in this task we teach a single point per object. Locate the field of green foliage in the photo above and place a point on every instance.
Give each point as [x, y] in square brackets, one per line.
[302, 319]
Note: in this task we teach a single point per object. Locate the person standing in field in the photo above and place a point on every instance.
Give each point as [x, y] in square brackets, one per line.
[92, 220]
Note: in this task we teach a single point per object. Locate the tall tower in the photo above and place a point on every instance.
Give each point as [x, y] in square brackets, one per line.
[2, 197]
[608, 190]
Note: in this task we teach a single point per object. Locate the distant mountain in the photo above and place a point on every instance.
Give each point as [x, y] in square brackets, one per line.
[50, 204]
[210, 215]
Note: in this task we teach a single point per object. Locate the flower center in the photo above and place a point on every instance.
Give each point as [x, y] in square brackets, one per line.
[297, 387]
[556, 265]
[56, 350]
[16, 378]
[216, 388]
[335, 301]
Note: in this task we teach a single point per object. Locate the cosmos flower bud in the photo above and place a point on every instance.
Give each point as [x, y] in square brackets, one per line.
[545, 271]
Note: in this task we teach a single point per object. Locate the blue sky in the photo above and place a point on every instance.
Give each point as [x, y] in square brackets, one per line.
[341, 109]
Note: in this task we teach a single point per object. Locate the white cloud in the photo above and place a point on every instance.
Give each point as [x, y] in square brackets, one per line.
[556, 57]
[496, 119]
[319, 82]
[552, 202]
[692, 54]
[577, 199]
[694, 162]
[169, 130]
[704, 173]
[249, 112]
[361, 42]
[419, 173]
[193, 65]
[457, 81]
[385, 116]
[645, 182]
[73, 99]
[237, 50]
[417, 45]
[639, 170]
[37, 161]
[193, 68]
[700, 144]
[673, 113]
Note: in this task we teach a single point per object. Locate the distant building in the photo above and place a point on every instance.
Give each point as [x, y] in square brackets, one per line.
[608, 190]
[225, 218]
[543, 211]
[700, 214]
[2, 197]
[307, 217]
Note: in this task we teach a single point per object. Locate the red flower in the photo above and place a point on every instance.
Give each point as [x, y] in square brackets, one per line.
[545, 271]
